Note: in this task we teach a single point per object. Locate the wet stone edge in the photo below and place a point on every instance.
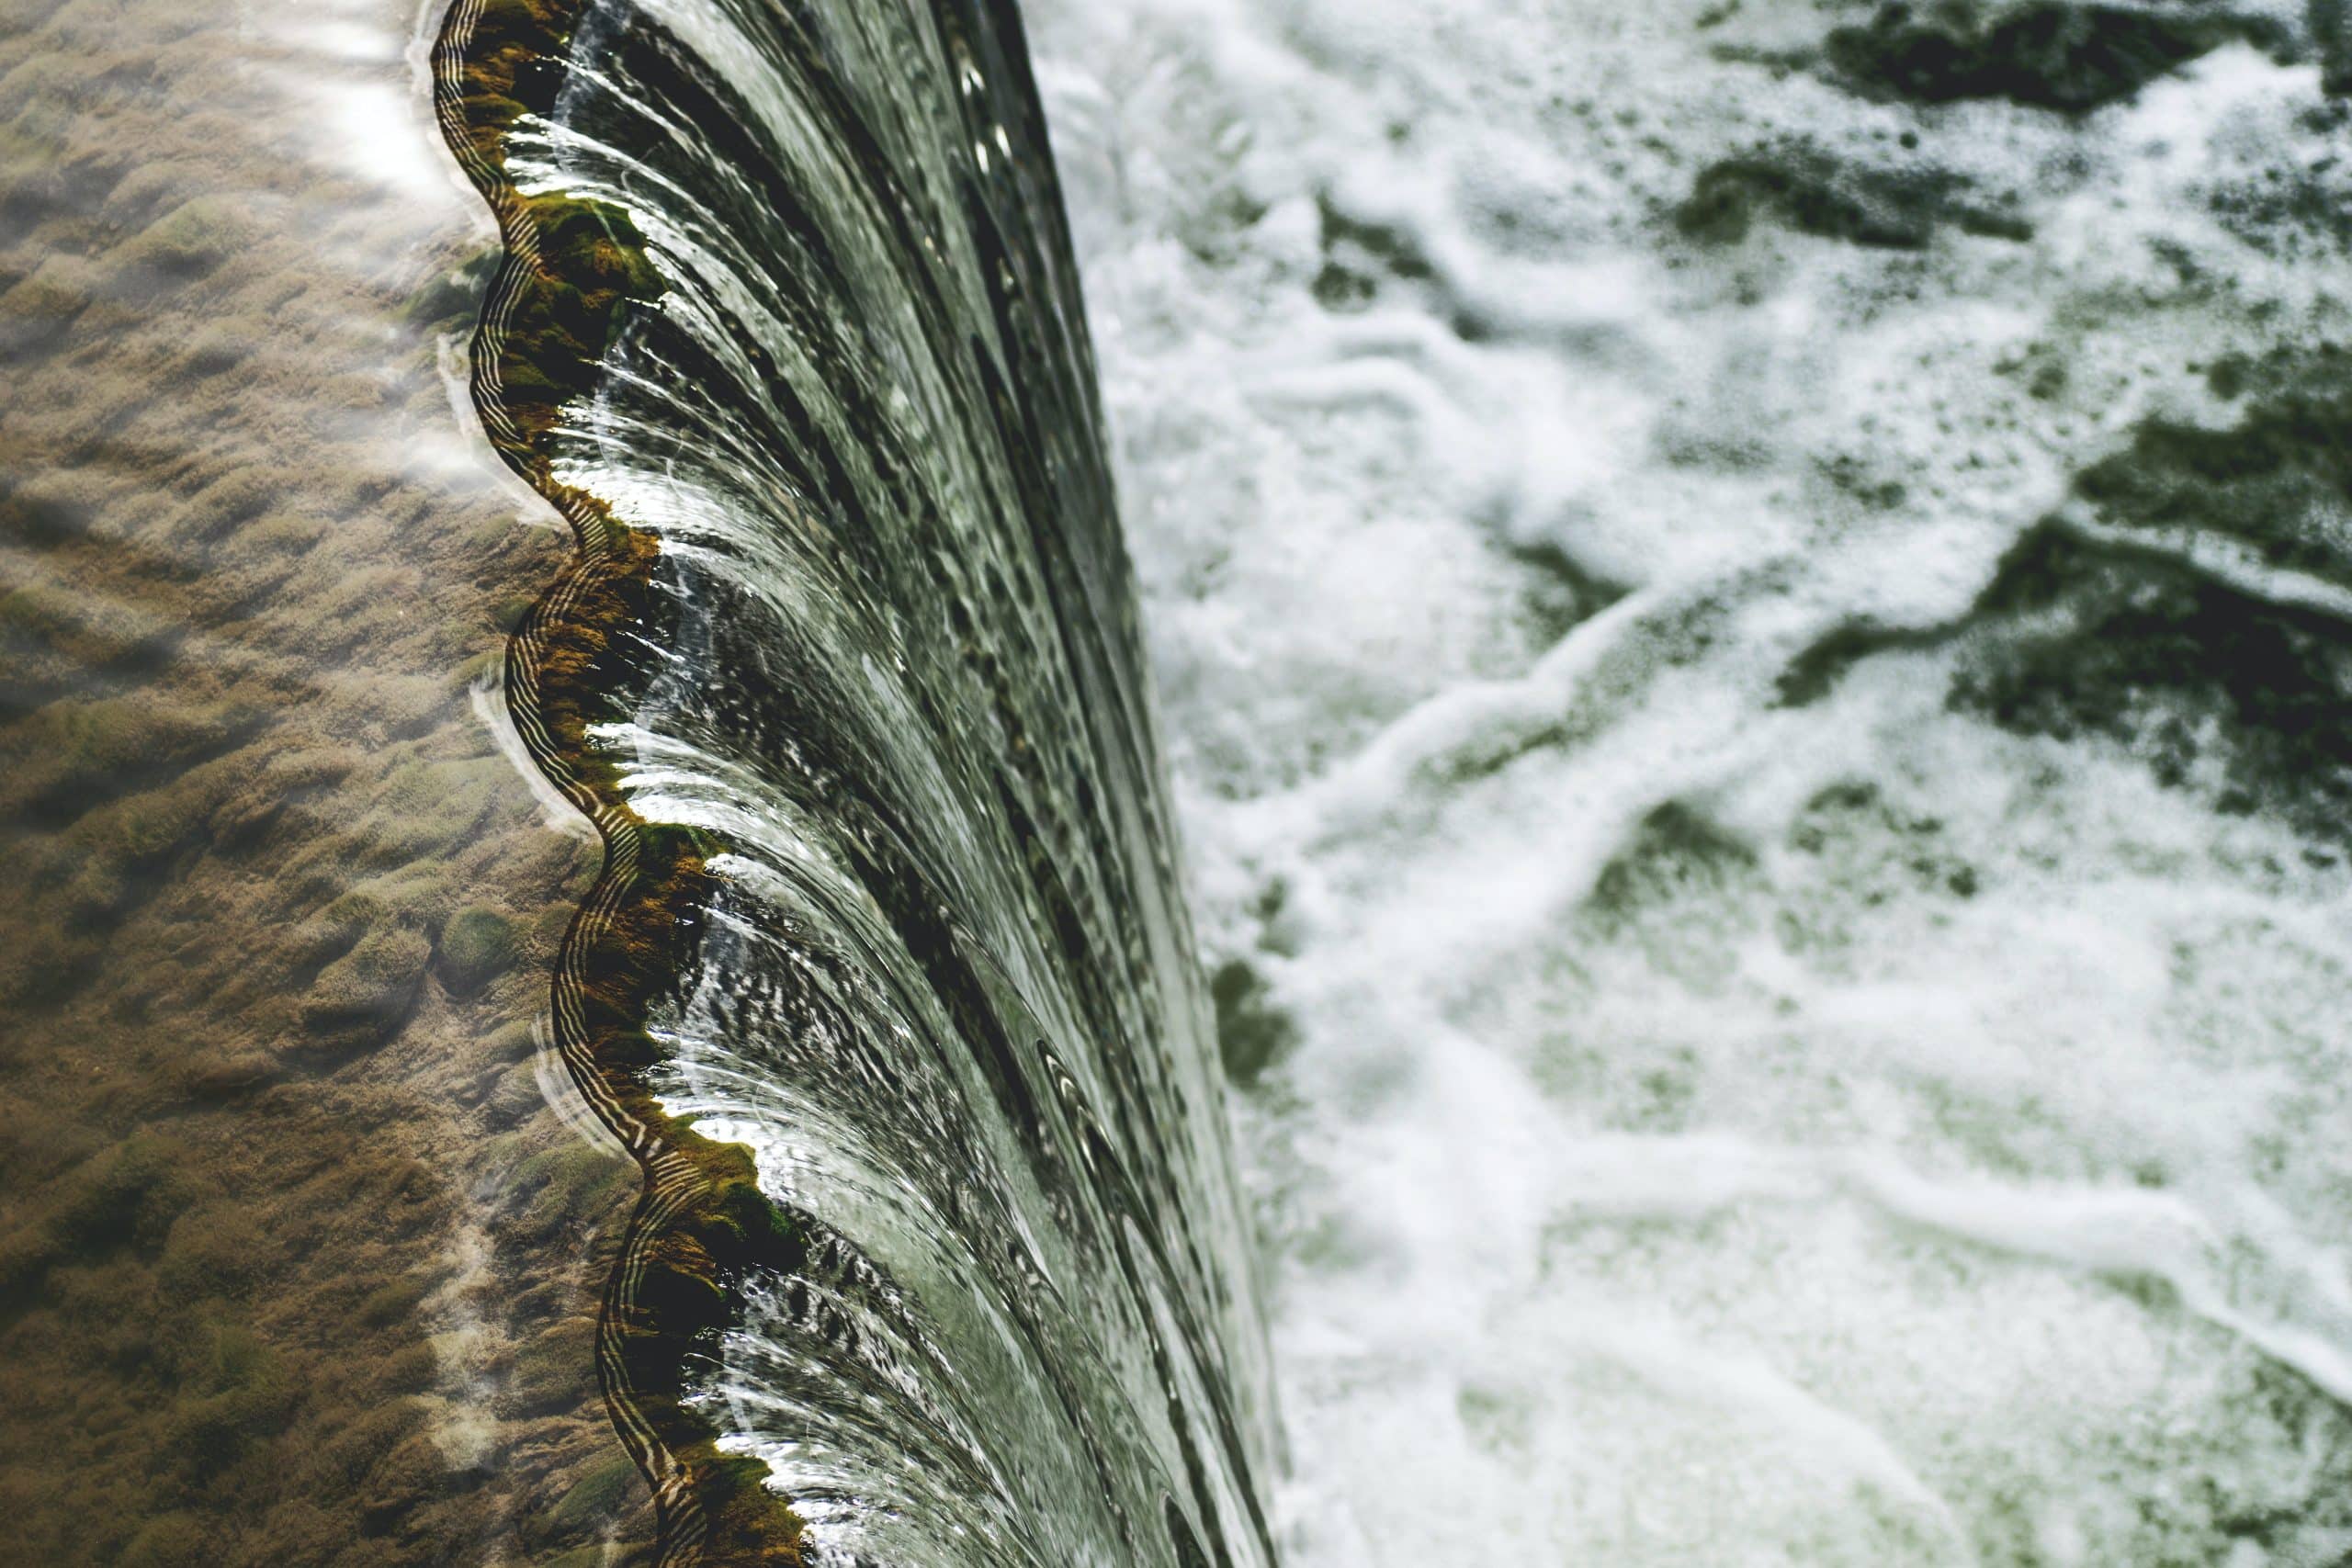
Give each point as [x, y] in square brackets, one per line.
[574, 272]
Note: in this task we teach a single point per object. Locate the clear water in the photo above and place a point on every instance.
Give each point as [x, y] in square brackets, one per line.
[946, 992]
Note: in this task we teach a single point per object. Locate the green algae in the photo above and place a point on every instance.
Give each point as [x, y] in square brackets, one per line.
[212, 1251]
[192, 240]
[595, 1494]
[2213, 685]
[238, 1393]
[543, 1373]
[1358, 255]
[346, 1462]
[174, 1541]
[394, 1300]
[365, 995]
[204, 708]
[476, 945]
[563, 1188]
[1674, 853]
[124, 1197]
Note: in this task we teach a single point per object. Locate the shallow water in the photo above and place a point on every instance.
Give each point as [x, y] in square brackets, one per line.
[297, 1265]
[1767, 809]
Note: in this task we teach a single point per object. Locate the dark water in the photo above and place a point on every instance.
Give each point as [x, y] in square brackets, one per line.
[945, 990]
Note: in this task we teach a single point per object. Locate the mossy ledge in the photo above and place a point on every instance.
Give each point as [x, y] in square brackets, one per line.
[573, 272]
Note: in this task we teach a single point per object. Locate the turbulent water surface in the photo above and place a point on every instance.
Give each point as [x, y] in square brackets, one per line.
[1751, 599]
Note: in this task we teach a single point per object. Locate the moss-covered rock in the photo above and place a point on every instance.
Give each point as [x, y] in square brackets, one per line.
[511, 1043]
[600, 1496]
[239, 1394]
[2241, 699]
[39, 312]
[394, 1300]
[2277, 477]
[566, 1187]
[403, 1482]
[364, 994]
[2051, 54]
[192, 238]
[214, 1250]
[126, 1196]
[1252, 1032]
[1813, 192]
[477, 946]
[76, 755]
[575, 1557]
[174, 1541]
[553, 1371]
[413, 1369]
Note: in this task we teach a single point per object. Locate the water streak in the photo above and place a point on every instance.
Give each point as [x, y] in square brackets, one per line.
[940, 982]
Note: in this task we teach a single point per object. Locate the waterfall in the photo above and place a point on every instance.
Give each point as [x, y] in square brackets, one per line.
[888, 983]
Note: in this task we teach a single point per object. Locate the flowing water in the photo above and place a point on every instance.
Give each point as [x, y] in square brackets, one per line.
[1751, 602]
[946, 992]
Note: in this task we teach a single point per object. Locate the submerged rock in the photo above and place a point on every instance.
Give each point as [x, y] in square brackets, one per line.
[1252, 1032]
[477, 946]
[2047, 54]
[2278, 480]
[364, 994]
[2216, 690]
[2181, 604]
[1813, 192]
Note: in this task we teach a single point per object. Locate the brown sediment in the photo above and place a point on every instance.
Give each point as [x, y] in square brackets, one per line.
[573, 272]
[296, 1264]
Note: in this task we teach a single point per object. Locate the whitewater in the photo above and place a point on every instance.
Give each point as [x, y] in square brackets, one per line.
[1771, 853]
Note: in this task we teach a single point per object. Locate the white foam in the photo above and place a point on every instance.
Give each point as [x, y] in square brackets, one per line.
[1914, 1146]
